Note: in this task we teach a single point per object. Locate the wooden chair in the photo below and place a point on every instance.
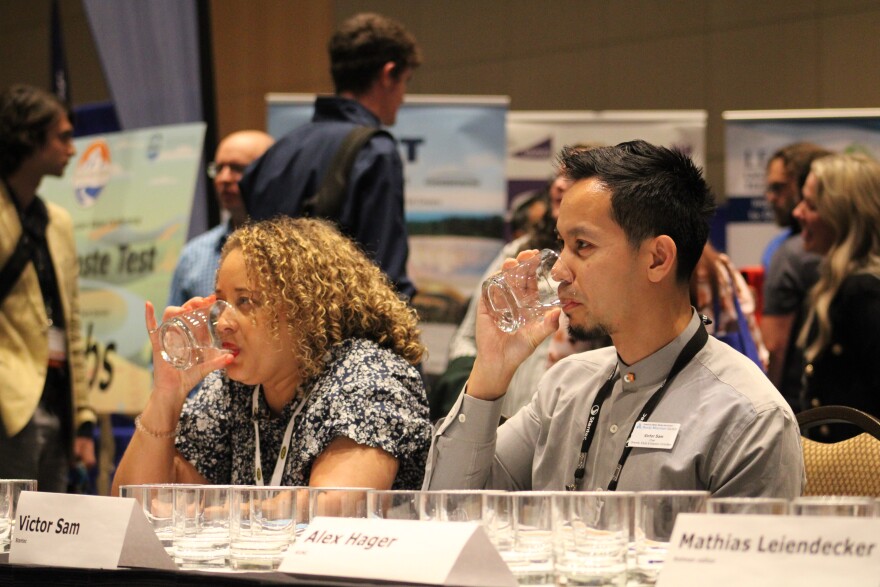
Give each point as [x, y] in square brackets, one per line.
[848, 467]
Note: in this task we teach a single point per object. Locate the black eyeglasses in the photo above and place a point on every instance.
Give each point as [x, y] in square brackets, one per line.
[215, 168]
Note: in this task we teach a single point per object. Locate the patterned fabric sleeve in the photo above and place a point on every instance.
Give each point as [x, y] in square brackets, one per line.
[203, 437]
[378, 401]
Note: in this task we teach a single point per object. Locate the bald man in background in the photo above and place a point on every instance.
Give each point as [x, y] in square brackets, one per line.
[197, 266]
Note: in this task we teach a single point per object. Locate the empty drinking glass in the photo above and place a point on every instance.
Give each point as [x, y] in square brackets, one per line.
[187, 338]
[522, 293]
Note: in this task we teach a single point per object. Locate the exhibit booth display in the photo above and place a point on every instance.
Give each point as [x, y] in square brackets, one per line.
[534, 138]
[129, 195]
[752, 136]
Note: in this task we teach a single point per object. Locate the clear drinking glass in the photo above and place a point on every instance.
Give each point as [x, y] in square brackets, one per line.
[338, 502]
[187, 339]
[522, 293]
[10, 491]
[656, 512]
[463, 505]
[768, 506]
[498, 518]
[393, 504]
[263, 525]
[592, 537]
[531, 558]
[833, 505]
[201, 526]
[157, 502]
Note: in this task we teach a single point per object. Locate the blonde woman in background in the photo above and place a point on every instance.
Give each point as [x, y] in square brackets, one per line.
[840, 216]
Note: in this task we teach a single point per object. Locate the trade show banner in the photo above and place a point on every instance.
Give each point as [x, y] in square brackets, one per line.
[751, 137]
[534, 138]
[453, 153]
[130, 196]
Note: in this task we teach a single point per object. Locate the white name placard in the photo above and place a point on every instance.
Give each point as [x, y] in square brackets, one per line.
[437, 553]
[84, 531]
[768, 551]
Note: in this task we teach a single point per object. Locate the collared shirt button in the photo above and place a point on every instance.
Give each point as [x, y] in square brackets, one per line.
[613, 428]
[462, 418]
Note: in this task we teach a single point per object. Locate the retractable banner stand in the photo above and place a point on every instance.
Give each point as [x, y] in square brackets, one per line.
[751, 137]
[453, 156]
[534, 138]
[129, 195]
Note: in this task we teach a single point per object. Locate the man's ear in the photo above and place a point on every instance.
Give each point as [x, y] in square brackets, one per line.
[662, 254]
[387, 76]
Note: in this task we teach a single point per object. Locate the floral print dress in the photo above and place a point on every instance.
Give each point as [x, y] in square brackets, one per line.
[365, 393]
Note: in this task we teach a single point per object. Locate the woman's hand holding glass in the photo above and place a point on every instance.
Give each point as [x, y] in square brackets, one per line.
[177, 377]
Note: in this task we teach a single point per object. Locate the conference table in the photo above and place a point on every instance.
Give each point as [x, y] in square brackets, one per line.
[37, 576]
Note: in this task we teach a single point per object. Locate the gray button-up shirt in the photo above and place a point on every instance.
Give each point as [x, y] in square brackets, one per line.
[737, 435]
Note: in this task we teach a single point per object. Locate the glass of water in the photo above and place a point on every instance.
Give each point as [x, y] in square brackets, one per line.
[656, 512]
[393, 504]
[531, 557]
[833, 505]
[767, 506]
[157, 502]
[338, 502]
[201, 526]
[592, 537]
[10, 491]
[263, 525]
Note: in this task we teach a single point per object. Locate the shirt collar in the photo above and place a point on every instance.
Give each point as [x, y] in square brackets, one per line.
[652, 371]
[332, 108]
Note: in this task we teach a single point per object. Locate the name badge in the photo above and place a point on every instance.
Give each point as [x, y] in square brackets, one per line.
[57, 344]
[653, 435]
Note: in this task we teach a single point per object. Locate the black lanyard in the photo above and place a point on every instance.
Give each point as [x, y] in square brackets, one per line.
[693, 346]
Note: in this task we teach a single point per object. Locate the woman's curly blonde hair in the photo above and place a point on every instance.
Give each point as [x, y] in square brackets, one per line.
[324, 288]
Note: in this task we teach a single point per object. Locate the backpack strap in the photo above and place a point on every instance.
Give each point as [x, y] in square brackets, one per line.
[327, 201]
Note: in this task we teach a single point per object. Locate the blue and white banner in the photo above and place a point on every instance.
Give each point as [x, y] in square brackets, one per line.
[453, 155]
[129, 195]
[751, 137]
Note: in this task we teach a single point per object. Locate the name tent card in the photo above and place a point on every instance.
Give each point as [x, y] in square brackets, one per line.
[768, 551]
[435, 553]
[84, 531]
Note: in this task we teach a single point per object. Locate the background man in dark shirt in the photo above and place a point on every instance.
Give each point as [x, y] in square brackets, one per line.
[372, 59]
[791, 271]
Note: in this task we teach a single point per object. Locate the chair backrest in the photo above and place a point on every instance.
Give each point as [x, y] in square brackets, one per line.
[848, 467]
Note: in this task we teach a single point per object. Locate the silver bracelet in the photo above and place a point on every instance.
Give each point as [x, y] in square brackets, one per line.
[139, 426]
